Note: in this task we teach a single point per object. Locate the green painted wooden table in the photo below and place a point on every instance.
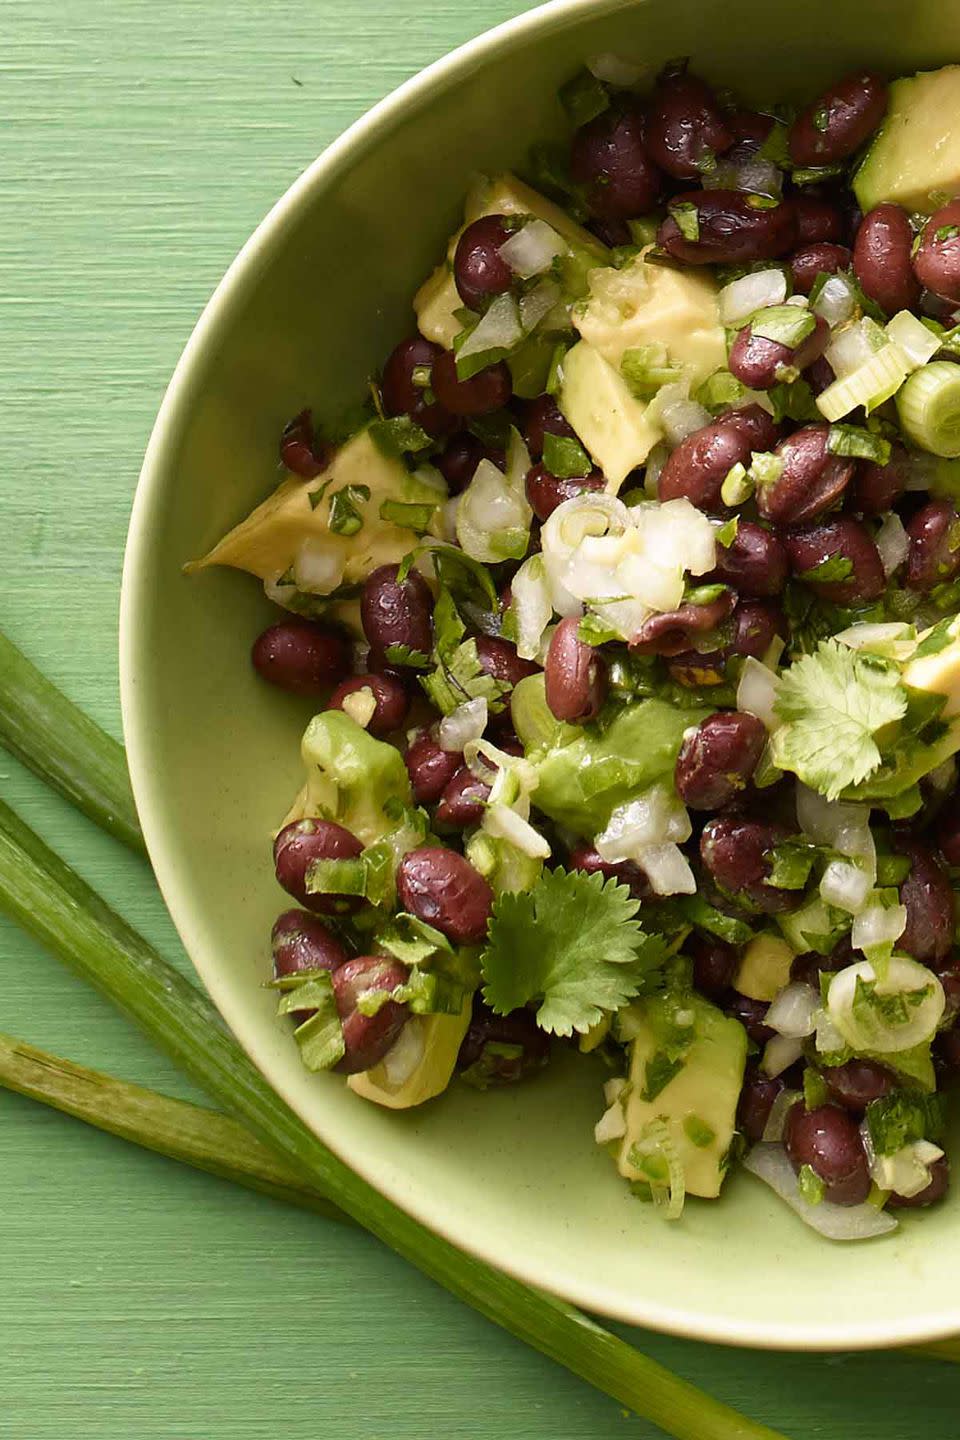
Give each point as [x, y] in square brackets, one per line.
[139, 145]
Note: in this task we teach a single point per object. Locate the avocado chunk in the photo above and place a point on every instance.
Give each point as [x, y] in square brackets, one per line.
[698, 1101]
[764, 968]
[645, 304]
[612, 424]
[581, 783]
[915, 156]
[359, 782]
[441, 1037]
[289, 533]
[438, 300]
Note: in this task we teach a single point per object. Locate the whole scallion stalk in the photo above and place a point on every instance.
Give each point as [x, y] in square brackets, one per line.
[65, 747]
[51, 901]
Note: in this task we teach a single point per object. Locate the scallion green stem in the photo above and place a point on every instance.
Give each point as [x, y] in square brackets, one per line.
[193, 1134]
[64, 747]
[51, 901]
[929, 408]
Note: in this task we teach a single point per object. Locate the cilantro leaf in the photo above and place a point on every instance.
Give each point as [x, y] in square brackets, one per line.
[834, 703]
[572, 943]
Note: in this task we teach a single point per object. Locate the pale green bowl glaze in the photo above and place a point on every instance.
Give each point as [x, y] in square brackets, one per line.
[315, 300]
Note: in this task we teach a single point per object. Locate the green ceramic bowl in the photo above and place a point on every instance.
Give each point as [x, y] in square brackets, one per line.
[314, 300]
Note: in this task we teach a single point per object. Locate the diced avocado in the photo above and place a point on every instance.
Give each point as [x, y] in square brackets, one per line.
[580, 783]
[437, 300]
[442, 1036]
[764, 968]
[287, 531]
[809, 928]
[360, 782]
[915, 156]
[699, 1101]
[645, 304]
[938, 672]
[611, 423]
[533, 720]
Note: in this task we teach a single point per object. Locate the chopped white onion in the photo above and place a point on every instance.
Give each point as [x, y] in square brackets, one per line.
[836, 301]
[771, 1164]
[448, 519]
[779, 1053]
[680, 418]
[466, 723]
[828, 1037]
[406, 1052]
[667, 869]
[779, 1110]
[869, 384]
[799, 302]
[360, 705]
[615, 70]
[613, 1088]
[318, 568]
[757, 692]
[612, 1125]
[894, 641]
[537, 303]
[586, 514]
[846, 886]
[866, 1027]
[490, 509]
[945, 775]
[848, 350]
[530, 598]
[654, 818]
[506, 824]
[826, 820]
[744, 168]
[739, 299]
[532, 249]
[917, 342]
[793, 1012]
[907, 1170]
[878, 925]
[656, 460]
[498, 329]
[892, 542]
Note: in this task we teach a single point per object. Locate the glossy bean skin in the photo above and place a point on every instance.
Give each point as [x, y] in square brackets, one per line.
[882, 258]
[937, 261]
[819, 221]
[760, 363]
[542, 417]
[490, 1046]
[462, 801]
[430, 768]
[402, 396]
[717, 759]
[672, 632]
[839, 121]
[295, 849]
[367, 1038]
[303, 657]
[820, 257]
[714, 965]
[545, 491]
[819, 375]
[443, 889]
[301, 451]
[934, 554]
[748, 125]
[811, 482]
[935, 1191]
[392, 700]
[948, 830]
[395, 613]
[499, 659]
[827, 1139]
[458, 461]
[696, 469]
[751, 1014]
[488, 390]
[756, 1101]
[300, 941]
[479, 270]
[609, 158]
[855, 1083]
[754, 563]
[731, 229]
[756, 623]
[627, 872]
[877, 488]
[755, 424]
[575, 674]
[735, 852]
[928, 899]
[845, 538]
[685, 126]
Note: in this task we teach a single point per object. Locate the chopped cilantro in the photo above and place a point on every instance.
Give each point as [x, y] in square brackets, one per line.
[583, 98]
[408, 516]
[594, 631]
[810, 1185]
[565, 457]
[727, 532]
[399, 436]
[861, 444]
[790, 864]
[686, 218]
[833, 704]
[902, 1117]
[815, 1092]
[787, 325]
[320, 1036]
[345, 518]
[829, 571]
[720, 390]
[659, 1071]
[572, 944]
[458, 675]
[698, 1132]
[699, 913]
[793, 402]
[403, 655]
[646, 369]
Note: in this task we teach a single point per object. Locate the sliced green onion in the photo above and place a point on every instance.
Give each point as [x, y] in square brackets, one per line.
[52, 903]
[869, 385]
[917, 342]
[929, 408]
[854, 441]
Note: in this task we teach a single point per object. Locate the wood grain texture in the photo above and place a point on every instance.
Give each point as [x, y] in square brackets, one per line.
[139, 145]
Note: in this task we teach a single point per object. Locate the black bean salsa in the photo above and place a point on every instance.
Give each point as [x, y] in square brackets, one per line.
[631, 598]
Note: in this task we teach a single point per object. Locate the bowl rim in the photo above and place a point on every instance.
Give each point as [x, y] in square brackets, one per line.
[170, 423]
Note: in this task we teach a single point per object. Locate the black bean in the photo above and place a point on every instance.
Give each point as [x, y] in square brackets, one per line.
[443, 889]
[937, 261]
[502, 1049]
[855, 1083]
[627, 872]
[754, 563]
[479, 270]
[756, 1101]
[301, 450]
[718, 758]
[458, 460]
[839, 121]
[394, 612]
[685, 127]
[488, 390]
[877, 488]
[499, 659]
[934, 555]
[296, 848]
[575, 674]
[882, 258]
[828, 1140]
[696, 469]
[927, 896]
[819, 221]
[545, 491]
[751, 1014]
[401, 393]
[736, 853]
[610, 159]
[542, 417]
[810, 482]
[391, 700]
[462, 801]
[301, 656]
[731, 227]
[430, 768]
[756, 623]
[948, 830]
[367, 1038]
[839, 540]
[931, 1194]
[820, 258]
[760, 363]
[714, 965]
[672, 632]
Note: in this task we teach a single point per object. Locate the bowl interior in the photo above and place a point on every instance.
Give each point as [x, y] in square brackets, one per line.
[313, 303]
